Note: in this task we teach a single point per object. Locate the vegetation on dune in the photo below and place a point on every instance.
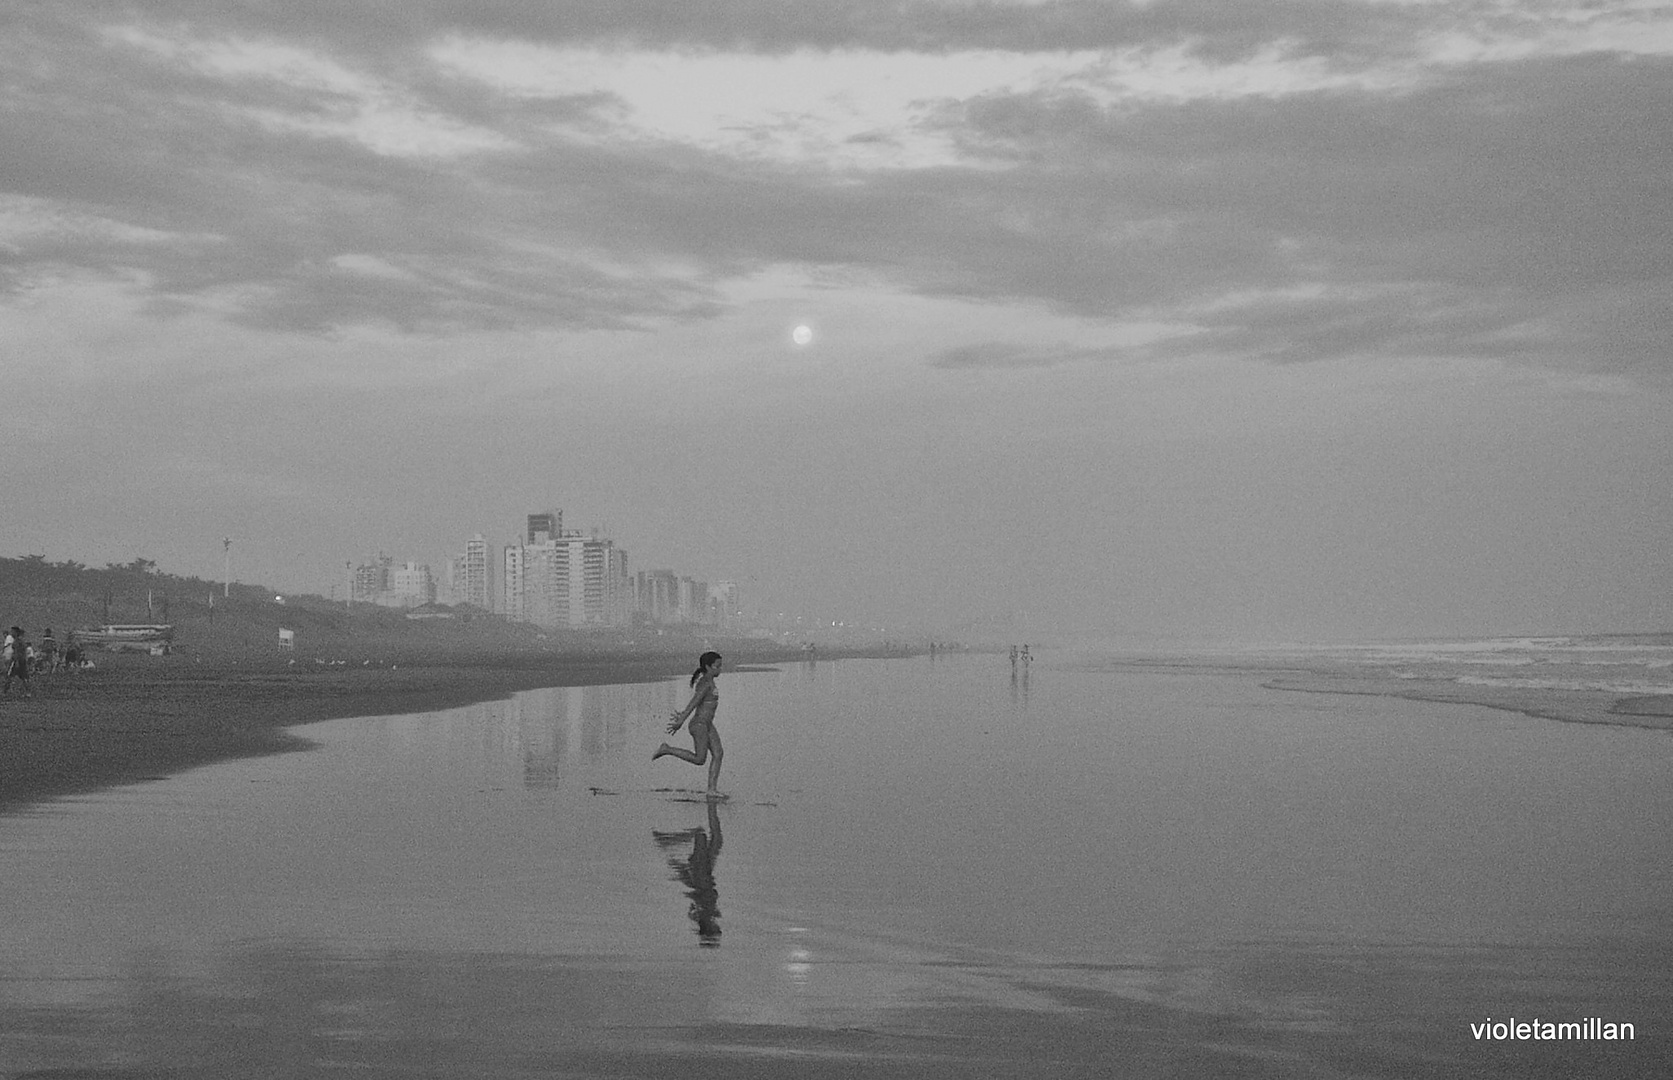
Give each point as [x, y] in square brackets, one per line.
[214, 622]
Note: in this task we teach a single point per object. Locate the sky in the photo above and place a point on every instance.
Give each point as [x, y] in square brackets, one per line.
[1268, 320]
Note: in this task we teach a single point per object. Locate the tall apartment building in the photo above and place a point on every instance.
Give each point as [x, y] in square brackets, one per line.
[727, 606]
[618, 594]
[410, 586]
[546, 583]
[602, 580]
[657, 595]
[383, 583]
[513, 593]
[544, 526]
[692, 603]
[372, 579]
[565, 580]
[471, 575]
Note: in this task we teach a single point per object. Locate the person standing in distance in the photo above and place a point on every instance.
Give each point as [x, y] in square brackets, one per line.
[705, 740]
[17, 664]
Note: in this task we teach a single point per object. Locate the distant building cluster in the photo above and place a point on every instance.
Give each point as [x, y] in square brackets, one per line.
[555, 578]
[383, 583]
[663, 598]
[564, 579]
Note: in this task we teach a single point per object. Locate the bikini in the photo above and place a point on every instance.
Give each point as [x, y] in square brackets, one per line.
[707, 705]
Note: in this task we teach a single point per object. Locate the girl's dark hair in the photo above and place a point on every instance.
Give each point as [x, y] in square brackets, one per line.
[702, 662]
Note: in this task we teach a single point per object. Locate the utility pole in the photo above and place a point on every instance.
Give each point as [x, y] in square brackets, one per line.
[226, 544]
[348, 578]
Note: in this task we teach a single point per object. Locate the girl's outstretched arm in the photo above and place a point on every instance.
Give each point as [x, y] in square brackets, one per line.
[678, 718]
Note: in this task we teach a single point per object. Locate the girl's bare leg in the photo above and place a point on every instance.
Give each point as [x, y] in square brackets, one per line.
[713, 745]
[699, 740]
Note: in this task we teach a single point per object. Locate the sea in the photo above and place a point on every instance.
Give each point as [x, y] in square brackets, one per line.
[1098, 863]
[1605, 663]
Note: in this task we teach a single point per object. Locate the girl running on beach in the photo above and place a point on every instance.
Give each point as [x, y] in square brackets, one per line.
[705, 740]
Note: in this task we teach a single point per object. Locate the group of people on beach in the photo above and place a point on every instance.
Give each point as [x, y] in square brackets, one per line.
[19, 659]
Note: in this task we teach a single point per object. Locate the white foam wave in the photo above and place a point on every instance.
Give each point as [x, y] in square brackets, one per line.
[1518, 652]
[1619, 686]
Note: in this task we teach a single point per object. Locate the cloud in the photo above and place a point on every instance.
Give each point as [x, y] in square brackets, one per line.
[1010, 355]
[1361, 31]
[1442, 217]
[1466, 178]
[218, 179]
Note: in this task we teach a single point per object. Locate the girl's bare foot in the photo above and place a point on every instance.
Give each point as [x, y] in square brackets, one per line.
[661, 750]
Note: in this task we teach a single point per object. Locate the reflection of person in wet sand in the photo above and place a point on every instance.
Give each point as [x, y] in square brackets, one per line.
[705, 740]
[697, 873]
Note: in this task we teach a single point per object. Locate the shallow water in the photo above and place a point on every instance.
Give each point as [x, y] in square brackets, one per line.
[922, 865]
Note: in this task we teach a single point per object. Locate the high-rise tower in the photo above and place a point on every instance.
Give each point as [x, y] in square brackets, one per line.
[544, 527]
[477, 588]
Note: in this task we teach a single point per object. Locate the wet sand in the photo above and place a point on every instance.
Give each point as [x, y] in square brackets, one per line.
[405, 1014]
[133, 717]
[928, 870]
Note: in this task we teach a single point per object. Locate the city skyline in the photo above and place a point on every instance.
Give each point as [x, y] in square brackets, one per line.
[498, 578]
[1261, 321]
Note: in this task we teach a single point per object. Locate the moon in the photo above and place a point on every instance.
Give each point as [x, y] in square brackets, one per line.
[801, 335]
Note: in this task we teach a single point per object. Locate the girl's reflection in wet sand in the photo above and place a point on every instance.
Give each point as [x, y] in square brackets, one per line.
[697, 872]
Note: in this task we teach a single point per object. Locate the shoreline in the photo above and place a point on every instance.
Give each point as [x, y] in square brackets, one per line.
[1597, 707]
[1648, 712]
[137, 718]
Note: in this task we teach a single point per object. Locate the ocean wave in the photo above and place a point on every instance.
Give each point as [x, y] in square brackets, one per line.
[1648, 663]
[1618, 686]
[1408, 659]
[1472, 645]
[1654, 654]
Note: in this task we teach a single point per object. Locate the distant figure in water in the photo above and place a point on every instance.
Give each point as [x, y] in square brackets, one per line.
[705, 699]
